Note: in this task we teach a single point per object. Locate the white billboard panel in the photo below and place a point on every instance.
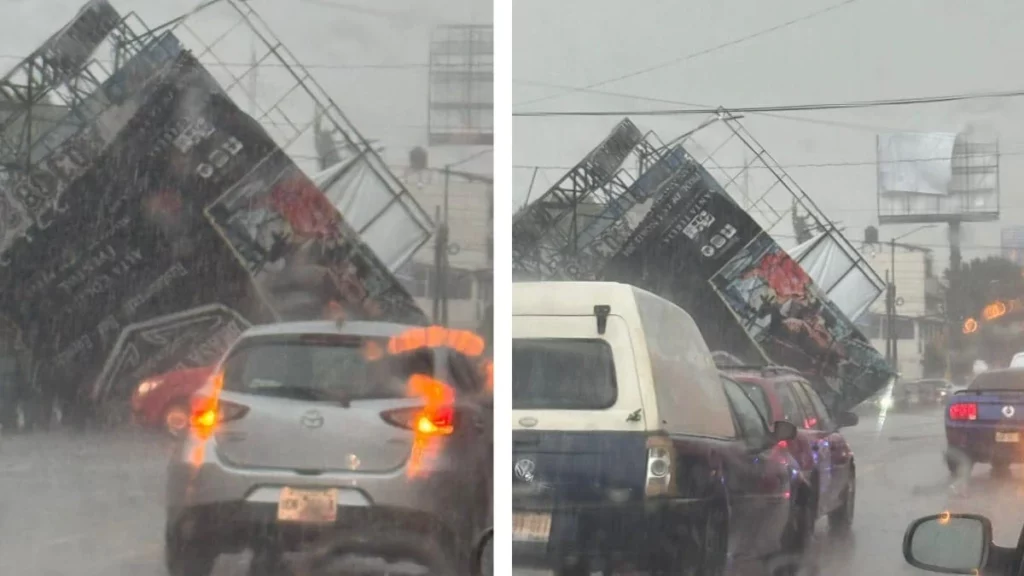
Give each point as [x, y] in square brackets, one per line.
[936, 177]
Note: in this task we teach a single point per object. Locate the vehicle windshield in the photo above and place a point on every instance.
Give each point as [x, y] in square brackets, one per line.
[562, 374]
[322, 369]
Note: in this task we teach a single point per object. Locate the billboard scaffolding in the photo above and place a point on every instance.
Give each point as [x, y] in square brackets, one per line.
[461, 86]
[937, 177]
[551, 236]
[288, 102]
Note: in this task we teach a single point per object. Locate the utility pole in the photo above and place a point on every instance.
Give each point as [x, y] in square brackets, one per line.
[444, 255]
[888, 319]
[892, 306]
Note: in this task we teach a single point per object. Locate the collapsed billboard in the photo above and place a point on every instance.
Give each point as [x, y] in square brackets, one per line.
[29, 200]
[699, 249]
[187, 226]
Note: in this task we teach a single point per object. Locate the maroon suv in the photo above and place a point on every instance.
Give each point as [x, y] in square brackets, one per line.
[819, 449]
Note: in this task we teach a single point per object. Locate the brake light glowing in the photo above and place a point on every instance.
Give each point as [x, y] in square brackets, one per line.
[438, 421]
[963, 411]
[209, 411]
[462, 341]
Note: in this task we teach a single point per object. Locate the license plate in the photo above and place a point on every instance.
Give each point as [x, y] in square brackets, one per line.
[1007, 436]
[308, 506]
[531, 527]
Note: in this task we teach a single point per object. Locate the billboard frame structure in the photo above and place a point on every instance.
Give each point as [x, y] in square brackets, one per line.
[538, 244]
[461, 60]
[826, 228]
[964, 149]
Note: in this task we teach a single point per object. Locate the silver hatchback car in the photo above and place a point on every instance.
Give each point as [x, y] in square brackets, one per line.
[314, 432]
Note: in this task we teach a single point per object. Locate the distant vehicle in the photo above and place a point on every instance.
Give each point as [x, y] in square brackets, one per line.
[310, 431]
[629, 447]
[985, 422]
[1017, 361]
[921, 393]
[162, 401]
[822, 453]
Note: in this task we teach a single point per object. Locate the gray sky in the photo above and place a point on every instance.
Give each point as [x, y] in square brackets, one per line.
[868, 49]
[389, 104]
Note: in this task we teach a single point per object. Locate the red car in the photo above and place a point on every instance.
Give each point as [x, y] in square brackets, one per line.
[162, 401]
[821, 452]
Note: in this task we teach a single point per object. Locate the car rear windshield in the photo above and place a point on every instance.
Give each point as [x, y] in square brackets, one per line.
[321, 368]
[999, 380]
[562, 374]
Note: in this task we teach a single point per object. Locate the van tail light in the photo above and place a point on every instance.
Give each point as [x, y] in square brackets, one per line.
[661, 457]
[432, 421]
[208, 413]
[963, 411]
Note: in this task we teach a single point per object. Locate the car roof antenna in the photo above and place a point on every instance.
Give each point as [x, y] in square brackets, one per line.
[602, 311]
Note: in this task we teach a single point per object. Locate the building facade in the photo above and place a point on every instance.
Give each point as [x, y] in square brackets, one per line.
[469, 286]
[919, 320]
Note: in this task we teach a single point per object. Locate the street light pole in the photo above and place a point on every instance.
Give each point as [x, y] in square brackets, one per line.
[892, 341]
[892, 307]
[442, 245]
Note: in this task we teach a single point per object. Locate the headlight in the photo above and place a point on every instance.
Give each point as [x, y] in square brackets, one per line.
[885, 402]
[148, 386]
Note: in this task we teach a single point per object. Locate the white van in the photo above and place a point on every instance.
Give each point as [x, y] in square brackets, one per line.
[623, 428]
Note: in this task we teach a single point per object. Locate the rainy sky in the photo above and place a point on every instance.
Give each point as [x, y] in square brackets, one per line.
[863, 50]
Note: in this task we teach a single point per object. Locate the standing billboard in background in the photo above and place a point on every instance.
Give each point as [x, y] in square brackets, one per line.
[699, 249]
[190, 225]
[1012, 243]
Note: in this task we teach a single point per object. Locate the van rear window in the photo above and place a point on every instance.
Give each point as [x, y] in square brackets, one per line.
[562, 374]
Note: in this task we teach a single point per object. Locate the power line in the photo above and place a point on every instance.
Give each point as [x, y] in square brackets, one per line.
[693, 55]
[834, 123]
[785, 108]
[809, 164]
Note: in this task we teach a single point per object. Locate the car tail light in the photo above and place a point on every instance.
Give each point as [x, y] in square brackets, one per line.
[963, 411]
[434, 421]
[208, 413]
[661, 457]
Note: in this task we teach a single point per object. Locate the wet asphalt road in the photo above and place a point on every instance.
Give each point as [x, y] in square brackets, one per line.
[92, 505]
[901, 476]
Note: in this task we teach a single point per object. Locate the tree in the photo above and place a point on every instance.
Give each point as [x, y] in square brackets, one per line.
[982, 281]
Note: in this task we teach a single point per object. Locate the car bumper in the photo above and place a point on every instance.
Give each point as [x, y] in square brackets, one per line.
[225, 499]
[632, 534]
[979, 443]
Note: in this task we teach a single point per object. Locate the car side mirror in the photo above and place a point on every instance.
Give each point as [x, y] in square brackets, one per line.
[483, 554]
[783, 431]
[948, 543]
[847, 419]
